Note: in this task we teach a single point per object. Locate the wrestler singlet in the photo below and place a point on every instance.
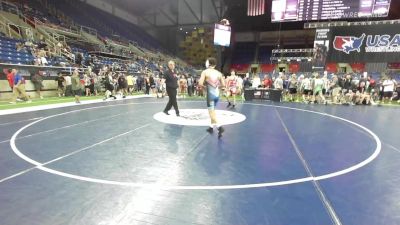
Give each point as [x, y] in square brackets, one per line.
[212, 91]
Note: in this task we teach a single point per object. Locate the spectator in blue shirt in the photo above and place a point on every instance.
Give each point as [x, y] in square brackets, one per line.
[19, 88]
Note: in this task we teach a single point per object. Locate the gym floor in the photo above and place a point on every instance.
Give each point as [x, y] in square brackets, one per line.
[114, 163]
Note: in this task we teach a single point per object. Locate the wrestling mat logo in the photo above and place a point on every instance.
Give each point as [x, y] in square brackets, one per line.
[199, 117]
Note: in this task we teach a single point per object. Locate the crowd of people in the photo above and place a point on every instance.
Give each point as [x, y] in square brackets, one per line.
[352, 89]
[113, 83]
[347, 89]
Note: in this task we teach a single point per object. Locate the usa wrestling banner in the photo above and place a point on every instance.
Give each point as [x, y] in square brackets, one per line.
[371, 43]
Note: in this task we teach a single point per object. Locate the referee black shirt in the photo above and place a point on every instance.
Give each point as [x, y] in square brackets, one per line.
[171, 79]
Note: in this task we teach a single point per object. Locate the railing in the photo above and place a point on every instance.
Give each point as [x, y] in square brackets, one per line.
[58, 37]
[89, 30]
[9, 7]
[22, 31]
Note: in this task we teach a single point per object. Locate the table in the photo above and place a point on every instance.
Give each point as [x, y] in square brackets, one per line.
[262, 94]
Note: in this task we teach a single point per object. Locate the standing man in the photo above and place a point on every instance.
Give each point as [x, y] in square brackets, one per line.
[190, 85]
[76, 86]
[60, 85]
[68, 85]
[10, 78]
[129, 80]
[171, 81]
[212, 79]
[37, 80]
[19, 88]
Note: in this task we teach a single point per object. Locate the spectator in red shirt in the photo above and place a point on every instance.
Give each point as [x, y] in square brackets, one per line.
[10, 78]
[267, 82]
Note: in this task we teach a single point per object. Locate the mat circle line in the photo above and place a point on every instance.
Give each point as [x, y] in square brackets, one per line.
[201, 187]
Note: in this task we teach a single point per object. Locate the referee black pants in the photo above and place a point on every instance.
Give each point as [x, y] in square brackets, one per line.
[172, 100]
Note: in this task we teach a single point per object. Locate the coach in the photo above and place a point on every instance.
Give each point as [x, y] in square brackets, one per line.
[171, 81]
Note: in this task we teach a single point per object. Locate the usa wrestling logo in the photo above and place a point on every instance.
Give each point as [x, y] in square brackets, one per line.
[348, 44]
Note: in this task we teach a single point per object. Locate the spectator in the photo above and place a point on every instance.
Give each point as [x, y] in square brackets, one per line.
[317, 90]
[256, 83]
[334, 86]
[87, 83]
[109, 85]
[96, 84]
[139, 83]
[122, 85]
[60, 85]
[278, 83]
[10, 78]
[129, 80]
[267, 82]
[292, 87]
[346, 83]
[76, 85]
[190, 85]
[19, 88]
[152, 84]
[37, 80]
[182, 86]
[134, 81]
[147, 85]
[326, 85]
[389, 85]
[306, 89]
[68, 85]
[78, 59]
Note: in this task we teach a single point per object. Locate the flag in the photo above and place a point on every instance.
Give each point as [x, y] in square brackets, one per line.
[255, 7]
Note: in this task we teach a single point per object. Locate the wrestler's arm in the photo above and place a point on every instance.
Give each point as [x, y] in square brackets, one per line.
[202, 79]
[222, 80]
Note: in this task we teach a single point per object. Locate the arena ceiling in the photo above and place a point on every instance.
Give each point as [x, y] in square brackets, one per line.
[163, 13]
[181, 13]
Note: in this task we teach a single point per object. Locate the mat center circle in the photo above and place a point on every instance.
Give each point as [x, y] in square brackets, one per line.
[199, 117]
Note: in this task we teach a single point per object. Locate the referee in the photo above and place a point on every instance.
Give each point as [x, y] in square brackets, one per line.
[171, 81]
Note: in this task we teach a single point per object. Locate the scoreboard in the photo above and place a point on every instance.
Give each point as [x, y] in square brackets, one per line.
[308, 10]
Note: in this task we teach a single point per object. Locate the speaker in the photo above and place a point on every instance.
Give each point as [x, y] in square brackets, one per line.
[248, 94]
[275, 95]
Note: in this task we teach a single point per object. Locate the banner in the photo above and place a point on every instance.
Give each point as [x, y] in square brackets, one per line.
[294, 68]
[370, 43]
[267, 68]
[331, 67]
[321, 49]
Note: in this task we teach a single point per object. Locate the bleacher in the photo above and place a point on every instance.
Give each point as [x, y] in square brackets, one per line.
[9, 53]
[110, 27]
[87, 15]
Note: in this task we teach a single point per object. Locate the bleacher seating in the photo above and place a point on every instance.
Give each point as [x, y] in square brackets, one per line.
[83, 14]
[87, 15]
[9, 53]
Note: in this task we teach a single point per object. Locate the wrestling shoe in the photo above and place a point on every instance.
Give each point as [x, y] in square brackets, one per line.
[220, 131]
[210, 130]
